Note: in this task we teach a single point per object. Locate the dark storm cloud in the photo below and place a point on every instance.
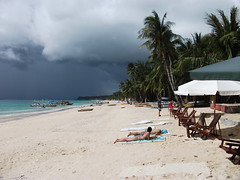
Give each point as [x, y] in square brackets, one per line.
[22, 55]
[96, 30]
[53, 80]
[59, 48]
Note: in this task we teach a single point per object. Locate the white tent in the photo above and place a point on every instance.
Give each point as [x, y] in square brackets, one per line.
[209, 87]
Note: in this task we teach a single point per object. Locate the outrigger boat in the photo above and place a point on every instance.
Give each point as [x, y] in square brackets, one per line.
[37, 104]
[52, 103]
[61, 102]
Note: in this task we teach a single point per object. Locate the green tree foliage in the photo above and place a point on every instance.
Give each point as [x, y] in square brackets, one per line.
[136, 86]
[225, 32]
[220, 44]
[172, 56]
[193, 53]
[117, 95]
[161, 41]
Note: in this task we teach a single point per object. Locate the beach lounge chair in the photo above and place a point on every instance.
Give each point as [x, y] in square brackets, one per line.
[174, 111]
[229, 145]
[183, 113]
[201, 121]
[183, 119]
[207, 131]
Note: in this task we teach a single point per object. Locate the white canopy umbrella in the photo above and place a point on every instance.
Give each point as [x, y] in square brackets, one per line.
[209, 87]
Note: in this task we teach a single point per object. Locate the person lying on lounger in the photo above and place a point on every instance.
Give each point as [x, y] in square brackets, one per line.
[145, 136]
[154, 131]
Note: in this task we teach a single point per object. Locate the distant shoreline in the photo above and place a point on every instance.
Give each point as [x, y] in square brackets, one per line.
[15, 117]
[19, 116]
[16, 109]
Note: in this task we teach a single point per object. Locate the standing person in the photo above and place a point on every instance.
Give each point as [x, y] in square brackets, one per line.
[159, 106]
[170, 107]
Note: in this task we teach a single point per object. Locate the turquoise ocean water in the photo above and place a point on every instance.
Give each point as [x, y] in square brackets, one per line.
[12, 108]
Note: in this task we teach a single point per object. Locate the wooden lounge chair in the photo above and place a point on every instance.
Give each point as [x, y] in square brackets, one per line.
[228, 147]
[182, 120]
[183, 113]
[206, 131]
[201, 121]
[174, 111]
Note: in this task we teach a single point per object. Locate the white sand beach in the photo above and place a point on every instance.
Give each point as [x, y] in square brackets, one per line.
[79, 145]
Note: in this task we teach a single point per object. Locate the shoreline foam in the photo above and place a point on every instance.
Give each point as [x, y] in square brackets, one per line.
[14, 117]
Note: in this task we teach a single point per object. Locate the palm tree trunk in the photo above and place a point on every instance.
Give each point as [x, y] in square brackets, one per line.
[178, 98]
[171, 78]
[138, 91]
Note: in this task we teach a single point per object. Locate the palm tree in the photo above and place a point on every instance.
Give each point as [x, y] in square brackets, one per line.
[127, 88]
[133, 74]
[195, 53]
[143, 69]
[136, 86]
[202, 50]
[156, 79]
[161, 41]
[226, 32]
[185, 49]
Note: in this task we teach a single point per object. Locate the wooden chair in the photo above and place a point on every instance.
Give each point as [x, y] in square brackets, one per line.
[201, 121]
[174, 111]
[183, 119]
[183, 113]
[228, 147]
[206, 131]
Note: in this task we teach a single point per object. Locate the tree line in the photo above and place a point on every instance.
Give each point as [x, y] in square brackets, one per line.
[171, 56]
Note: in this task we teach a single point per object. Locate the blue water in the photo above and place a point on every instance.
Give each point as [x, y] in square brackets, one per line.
[15, 107]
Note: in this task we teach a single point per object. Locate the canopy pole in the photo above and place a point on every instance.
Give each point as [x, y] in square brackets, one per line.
[214, 103]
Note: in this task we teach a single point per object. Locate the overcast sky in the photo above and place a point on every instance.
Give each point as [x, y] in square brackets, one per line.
[62, 49]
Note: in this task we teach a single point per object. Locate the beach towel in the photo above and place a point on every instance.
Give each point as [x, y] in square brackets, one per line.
[160, 123]
[137, 128]
[165, 131]
[157, 139]
[149, 121]
[142, 122]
